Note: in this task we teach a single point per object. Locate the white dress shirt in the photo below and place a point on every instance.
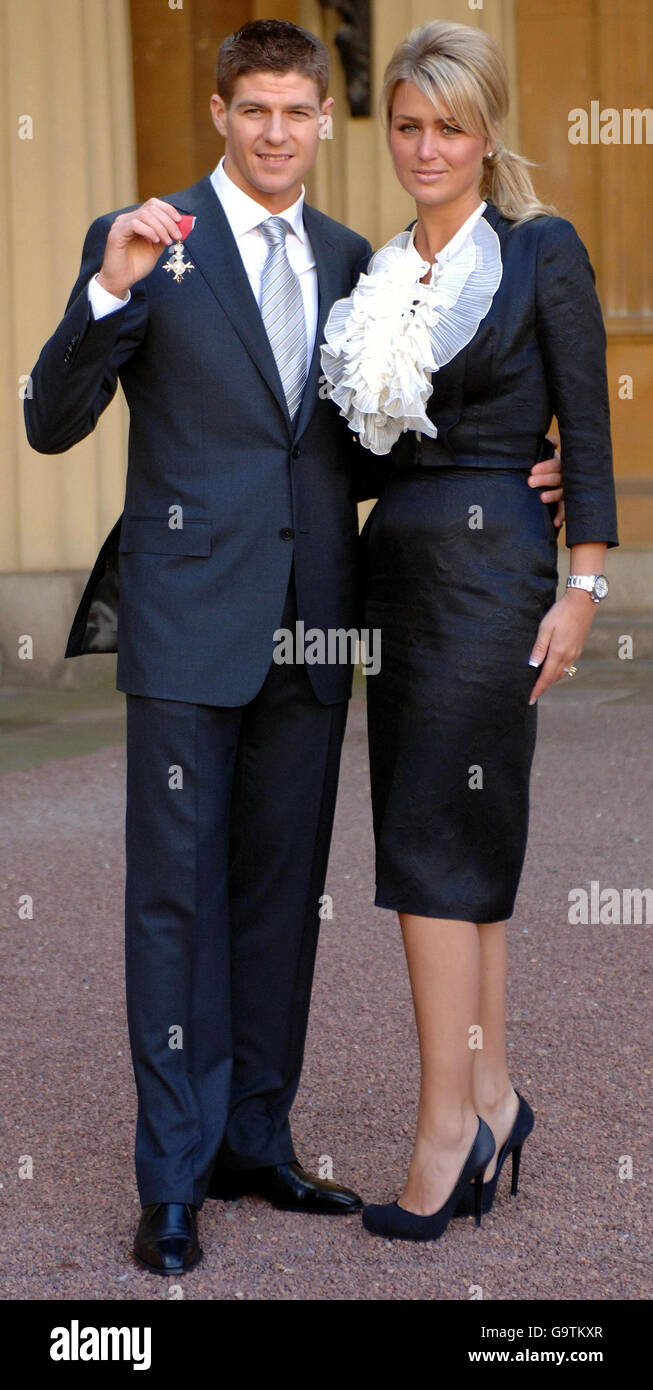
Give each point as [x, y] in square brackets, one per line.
[244, 216]
[453, 245]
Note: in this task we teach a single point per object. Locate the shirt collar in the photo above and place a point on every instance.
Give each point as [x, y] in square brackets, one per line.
[244, 213]
[453, 246]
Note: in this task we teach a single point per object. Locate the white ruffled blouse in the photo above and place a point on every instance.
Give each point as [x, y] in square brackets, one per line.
[384, 341]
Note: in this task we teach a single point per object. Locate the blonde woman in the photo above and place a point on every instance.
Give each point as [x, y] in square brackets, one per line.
[468, 332]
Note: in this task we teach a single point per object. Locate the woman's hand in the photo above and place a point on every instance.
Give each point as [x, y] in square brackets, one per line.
[561, 637]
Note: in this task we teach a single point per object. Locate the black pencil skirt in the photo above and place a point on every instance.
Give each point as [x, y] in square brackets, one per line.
[460, 567]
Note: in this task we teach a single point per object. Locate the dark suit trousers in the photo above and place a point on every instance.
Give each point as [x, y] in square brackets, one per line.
[228, 827]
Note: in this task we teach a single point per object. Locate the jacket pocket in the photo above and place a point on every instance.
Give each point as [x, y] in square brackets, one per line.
[153, 535]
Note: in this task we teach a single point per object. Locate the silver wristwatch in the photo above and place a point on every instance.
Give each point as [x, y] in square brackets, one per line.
[596, 585]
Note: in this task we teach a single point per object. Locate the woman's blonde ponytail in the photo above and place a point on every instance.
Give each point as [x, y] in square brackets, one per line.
[506, 182]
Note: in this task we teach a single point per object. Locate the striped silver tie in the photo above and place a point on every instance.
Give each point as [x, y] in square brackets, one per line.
[282, 310]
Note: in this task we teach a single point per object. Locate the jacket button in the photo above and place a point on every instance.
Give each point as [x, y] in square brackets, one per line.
[286, 533]
[296, 452]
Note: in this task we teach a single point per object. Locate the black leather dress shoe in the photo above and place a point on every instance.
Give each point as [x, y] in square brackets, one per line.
[166, 1240]
[287, 1186]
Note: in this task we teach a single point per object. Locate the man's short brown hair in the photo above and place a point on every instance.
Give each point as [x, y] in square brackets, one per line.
[271, 45]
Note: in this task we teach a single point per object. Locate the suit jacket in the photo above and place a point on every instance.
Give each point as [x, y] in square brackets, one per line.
[539, 351]
[192, 610]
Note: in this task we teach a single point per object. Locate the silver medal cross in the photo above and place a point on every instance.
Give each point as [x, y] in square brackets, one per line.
[177, 264]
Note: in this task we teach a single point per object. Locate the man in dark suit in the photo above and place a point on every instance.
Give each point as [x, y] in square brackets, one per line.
[239, 519]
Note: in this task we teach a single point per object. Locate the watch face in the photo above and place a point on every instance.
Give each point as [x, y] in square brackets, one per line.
[601, 586]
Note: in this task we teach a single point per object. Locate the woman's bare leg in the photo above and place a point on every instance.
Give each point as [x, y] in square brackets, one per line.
[444, 963]
[493, 1092]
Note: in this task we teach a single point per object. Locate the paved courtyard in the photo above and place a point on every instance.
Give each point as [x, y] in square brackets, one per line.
[579, 1023]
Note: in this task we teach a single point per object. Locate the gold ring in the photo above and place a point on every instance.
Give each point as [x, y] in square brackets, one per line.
[570, 670]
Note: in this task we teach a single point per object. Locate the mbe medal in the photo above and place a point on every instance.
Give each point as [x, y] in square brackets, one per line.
[176, 264]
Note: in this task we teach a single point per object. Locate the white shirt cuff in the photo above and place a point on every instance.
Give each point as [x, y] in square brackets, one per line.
[102, 302]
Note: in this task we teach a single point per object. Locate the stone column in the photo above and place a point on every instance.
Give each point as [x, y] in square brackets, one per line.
[66, 155]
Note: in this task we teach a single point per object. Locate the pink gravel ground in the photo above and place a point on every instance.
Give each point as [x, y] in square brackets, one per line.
[577, 1035]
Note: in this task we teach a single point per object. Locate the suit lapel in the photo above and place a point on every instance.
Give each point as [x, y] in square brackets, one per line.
[326, 252]
[213, 249]
[449, 383]
[494, 217]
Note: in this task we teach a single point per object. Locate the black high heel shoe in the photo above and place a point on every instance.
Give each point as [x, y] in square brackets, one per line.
[520, 1131]
[394, 1222]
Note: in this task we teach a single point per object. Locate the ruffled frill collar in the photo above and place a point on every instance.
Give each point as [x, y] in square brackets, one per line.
[384, 341]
